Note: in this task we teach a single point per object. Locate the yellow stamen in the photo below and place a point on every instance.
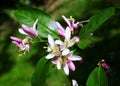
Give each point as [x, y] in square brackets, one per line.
[66, 41]
[45, 47]
[53, 48]
[71, 17]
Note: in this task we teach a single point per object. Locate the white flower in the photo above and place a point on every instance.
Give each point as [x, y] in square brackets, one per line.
[68, 42]
[74, 83]
[65, 61]
[53, 48]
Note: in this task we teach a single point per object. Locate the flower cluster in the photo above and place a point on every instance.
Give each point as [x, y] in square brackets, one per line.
[59, 50]
[24, 44]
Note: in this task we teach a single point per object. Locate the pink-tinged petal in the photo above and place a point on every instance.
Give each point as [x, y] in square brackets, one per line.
[61, 30]
[27, 47]
[75, 27]
[35, 25]
[74, 83]
[58, 65]
[81, 23]
[66, 69]
[66, 20]
[16, 39]
[61, 34]
[51, 41]
[54, 61]
[105, 66]
[17, 44]
[67, 33]
[59, 26]
[75, 58]
[65, 52]
[29, 31]
[77, 39]
[49, 56]
[71, 21]
[22, 32]
[71, 65]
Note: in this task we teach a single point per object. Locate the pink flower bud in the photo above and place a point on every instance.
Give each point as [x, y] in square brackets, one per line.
[29, 31]
[71, 65]
[105, 66]
[18, 40]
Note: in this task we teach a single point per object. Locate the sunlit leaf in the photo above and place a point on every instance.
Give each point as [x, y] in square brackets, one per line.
[96, 21]
[46, 25]
[97, 77]
[40, 73]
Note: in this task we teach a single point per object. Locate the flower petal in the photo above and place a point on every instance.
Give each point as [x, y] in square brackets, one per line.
[22, 32]
[65, 52]
[66, 20]
[59, 26]
[35, 24]
[75, 58]
[67, 33]
[72, 42]
[58, 65]
[51, 41]
[59, 42]
[66, 69]
[49, 56]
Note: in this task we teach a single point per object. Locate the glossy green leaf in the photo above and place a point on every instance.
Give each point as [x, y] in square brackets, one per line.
[96, 21]
[40, 73]
[46, 25]
[98, 77]
[84, 43]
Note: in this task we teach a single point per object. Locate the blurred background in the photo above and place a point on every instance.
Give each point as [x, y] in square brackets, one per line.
[17, 71]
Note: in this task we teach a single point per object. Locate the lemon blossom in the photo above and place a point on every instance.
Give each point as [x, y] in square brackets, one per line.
[29, 31]
[64, 61]
[68, 42]
[22, 44]
[53, 48]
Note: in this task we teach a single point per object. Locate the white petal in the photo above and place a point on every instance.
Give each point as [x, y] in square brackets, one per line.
[58, 65]
[75, 58]
[66, 69]
[49, 56]
[48, 49]
[65, 52]
[51, 40]
[22, 32]
[67, 33]
[62, 47]
[59, 42]
[34, 25]
[66, 20]
[72, 42]
[74, 83]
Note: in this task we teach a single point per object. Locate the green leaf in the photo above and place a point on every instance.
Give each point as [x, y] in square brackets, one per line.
[84, 43]
[46, 25]
[40, 73]
[98, 77]
[96, 21]
[89, 42]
